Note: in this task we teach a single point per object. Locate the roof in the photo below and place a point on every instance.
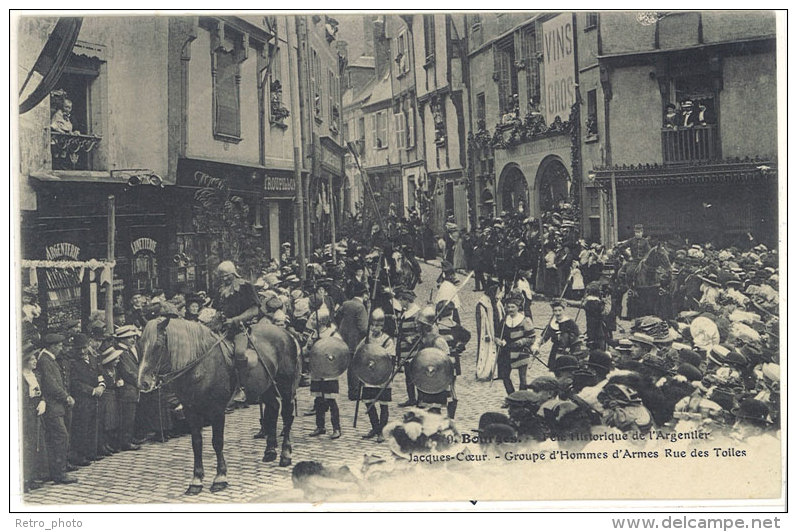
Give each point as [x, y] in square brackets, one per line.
[381, 91]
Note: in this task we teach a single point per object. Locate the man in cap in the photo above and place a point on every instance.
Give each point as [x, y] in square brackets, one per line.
[86, 386]
[127, 390]
[239, 304]
[55, 393]
[352, 320]
[135, 316]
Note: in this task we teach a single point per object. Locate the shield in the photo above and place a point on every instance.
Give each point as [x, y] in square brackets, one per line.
[432, 371]
[329, 358]
[372, 364]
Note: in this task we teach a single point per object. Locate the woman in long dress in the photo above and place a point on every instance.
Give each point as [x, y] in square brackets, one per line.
[489, 315]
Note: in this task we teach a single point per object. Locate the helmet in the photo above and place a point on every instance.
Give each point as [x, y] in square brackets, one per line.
[426, 316]
[329, 358]
[378, 316]
[226, 267]
[372, 364]
[432, 370]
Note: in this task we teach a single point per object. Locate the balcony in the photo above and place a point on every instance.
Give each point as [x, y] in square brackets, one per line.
[72, 151]
[686, 145]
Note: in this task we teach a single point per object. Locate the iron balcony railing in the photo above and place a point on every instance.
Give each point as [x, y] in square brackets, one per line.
[697, 143]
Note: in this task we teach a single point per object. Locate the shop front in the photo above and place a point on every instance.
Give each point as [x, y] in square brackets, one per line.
[71, 227]
[206, 233]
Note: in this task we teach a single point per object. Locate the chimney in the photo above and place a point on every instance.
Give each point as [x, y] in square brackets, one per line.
[368, 35]
[381, 47]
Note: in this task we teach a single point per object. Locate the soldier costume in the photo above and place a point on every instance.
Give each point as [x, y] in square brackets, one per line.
[407, 335]
[431, 340]
[516, 337]
[328, 360]
[375, 395]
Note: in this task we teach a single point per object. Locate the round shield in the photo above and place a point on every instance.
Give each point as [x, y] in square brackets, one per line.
[372, 364]
[704, 332]
[329, 358]
[432, 370]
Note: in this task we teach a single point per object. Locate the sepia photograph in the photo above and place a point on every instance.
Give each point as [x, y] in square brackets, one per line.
[282, 259]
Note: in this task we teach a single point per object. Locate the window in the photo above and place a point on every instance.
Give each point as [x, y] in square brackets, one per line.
[379, 125]
[361, 129]
[227, 54]
[429, 37]
[402, 59]
[506, 75]
[591, 125]
[530, 48]
[481, 111]
[75, 118]
[315, 85]
[475, 22]
[591, 21]
[400, 121]
[347, 131]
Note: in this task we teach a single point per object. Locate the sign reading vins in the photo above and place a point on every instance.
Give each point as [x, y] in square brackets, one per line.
[560, 66]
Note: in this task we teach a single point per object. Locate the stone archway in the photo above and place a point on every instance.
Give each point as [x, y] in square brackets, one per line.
[552, 184]
[513, 192]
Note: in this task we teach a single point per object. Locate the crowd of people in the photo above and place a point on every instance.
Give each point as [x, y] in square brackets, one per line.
[708, 354]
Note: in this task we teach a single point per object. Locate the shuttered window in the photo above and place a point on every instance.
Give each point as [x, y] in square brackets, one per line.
[226, 96]
[399, 122]
[411, 127]
[505, 75]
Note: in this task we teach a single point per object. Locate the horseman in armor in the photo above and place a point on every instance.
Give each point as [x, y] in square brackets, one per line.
[240, 306]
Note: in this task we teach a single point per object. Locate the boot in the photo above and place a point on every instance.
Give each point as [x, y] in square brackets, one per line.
[383, 417]
[451, 407]
[334, 414]
[373, 417]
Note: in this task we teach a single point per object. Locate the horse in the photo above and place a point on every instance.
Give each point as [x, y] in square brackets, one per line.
[197, 364]
[645, 281]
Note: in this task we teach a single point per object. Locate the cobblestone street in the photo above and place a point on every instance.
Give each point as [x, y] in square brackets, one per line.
[160, 472]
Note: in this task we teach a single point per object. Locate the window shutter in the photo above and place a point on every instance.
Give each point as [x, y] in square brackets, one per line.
[398, 120]
[373, 128]
[411, 127]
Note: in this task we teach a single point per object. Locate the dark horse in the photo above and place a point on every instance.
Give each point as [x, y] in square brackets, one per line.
[645, 282]
[197, 364]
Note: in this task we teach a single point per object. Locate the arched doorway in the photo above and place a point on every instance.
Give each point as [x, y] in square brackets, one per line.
[514, 190]
[553, 183]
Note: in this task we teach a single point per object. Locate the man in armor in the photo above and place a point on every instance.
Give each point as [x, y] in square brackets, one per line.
[370, 394]
[430, 337]
[406, 334]
[240, 306]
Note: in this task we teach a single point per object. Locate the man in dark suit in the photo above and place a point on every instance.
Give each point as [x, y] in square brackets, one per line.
[86, 386]
[127, 392]
[353, 326]
[55, 393]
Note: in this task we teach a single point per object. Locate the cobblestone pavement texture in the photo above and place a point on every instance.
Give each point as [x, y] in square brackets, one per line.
[160, 472]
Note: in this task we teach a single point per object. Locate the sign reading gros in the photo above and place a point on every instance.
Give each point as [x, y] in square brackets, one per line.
[560, 66]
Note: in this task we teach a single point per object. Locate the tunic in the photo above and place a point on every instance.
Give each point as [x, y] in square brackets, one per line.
[518, 333]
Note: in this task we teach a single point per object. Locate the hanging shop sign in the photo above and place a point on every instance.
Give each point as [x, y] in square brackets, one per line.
[559, 62]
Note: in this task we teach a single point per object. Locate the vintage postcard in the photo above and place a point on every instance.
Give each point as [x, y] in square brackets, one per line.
[280, 258]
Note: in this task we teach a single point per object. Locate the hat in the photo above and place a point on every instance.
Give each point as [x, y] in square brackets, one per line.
[624, 345]
[378, 316]
[691, 357]
[28, 350]
[544, 383]
[73, 322]
[405, 293]
[52, 339]
[556, 302]
[719, 354]
[301, 307]
[639, 227]
[291, 279]
[31, 290]
[600, 359]
[514, 298]
[642, 338]
[690, 372]
[710, 279]
[273, 304]
[358, 288]
[226, 267]
[754, 410]
[286, 244]
[686, 104]
[656, 363]
[525, 397]
[110, 354]
[565, 363]
[80, 340]
[126, 331]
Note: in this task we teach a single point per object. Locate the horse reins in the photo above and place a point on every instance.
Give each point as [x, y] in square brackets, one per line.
[165, 378]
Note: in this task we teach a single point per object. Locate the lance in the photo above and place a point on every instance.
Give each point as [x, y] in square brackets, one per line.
[415, 345]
